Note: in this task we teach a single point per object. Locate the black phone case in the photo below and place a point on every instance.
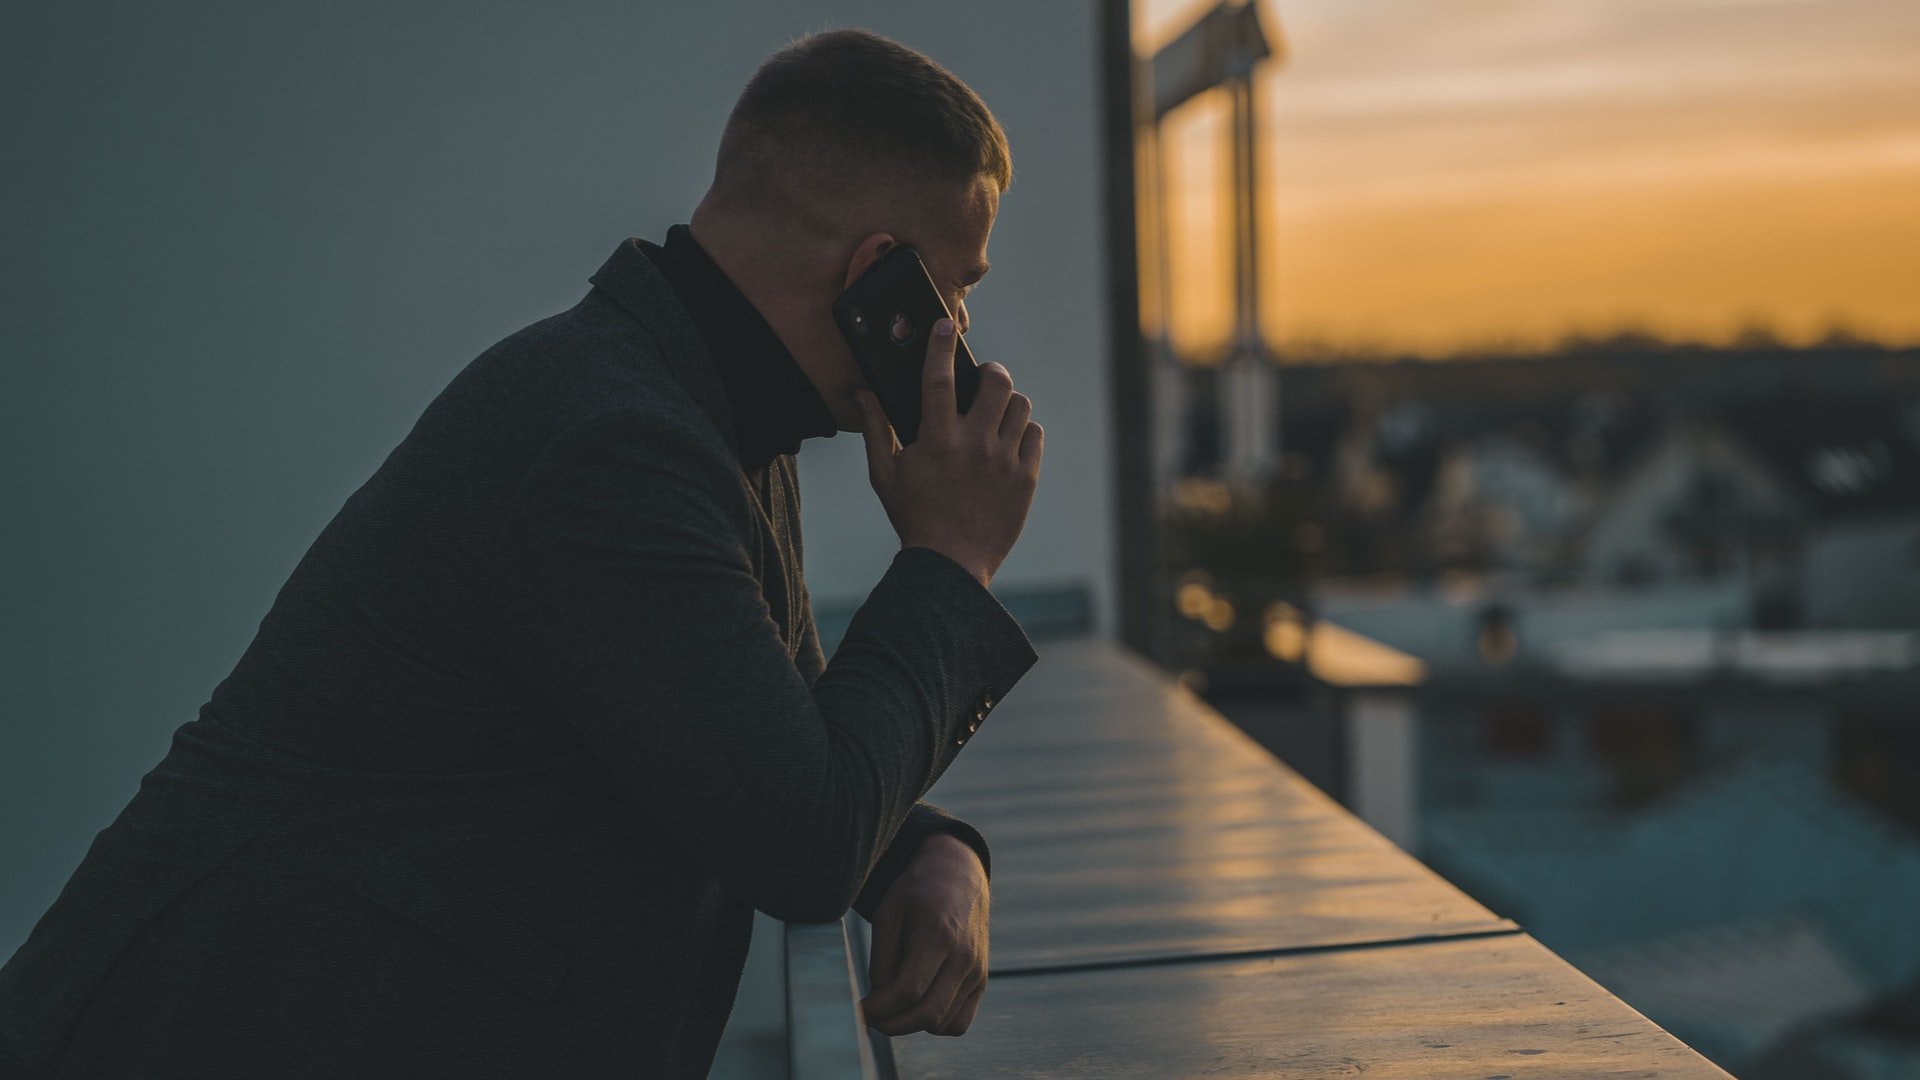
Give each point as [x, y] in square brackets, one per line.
[895, 286]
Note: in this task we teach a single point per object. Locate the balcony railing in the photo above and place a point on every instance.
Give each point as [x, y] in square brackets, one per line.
[826, 978]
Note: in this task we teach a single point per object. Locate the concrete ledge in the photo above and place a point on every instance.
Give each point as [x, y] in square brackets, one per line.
[1170, 901]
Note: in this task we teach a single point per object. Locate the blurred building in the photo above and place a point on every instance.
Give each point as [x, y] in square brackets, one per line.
[1658, 610]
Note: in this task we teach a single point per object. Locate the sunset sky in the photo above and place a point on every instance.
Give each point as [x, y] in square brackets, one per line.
[1446, 174]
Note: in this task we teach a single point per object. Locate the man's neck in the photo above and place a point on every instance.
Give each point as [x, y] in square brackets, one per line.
[775, 405]
[770, 269]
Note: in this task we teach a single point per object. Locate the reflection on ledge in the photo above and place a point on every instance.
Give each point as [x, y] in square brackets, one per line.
[1170, 901]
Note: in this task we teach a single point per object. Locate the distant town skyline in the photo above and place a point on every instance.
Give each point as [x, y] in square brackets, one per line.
[1442, 176]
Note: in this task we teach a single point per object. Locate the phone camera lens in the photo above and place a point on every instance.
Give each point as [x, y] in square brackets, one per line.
[859, 321]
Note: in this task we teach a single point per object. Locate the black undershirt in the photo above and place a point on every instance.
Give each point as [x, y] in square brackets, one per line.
[773, 402]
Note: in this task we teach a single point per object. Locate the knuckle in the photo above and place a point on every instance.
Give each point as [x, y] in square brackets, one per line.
[997, 374]
[893, 1025]
[926, 969]
[918, 1019]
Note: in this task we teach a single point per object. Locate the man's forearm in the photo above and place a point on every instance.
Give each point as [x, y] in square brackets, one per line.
[626, 555]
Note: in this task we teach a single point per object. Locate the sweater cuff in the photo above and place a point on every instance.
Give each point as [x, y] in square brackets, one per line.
[924, 820]
[996, 649]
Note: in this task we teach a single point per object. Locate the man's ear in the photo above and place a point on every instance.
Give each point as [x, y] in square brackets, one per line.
[868, 253]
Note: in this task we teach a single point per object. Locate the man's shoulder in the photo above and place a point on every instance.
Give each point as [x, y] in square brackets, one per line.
[641, 471]
[650, 434]
[593, 348]
[586, 370]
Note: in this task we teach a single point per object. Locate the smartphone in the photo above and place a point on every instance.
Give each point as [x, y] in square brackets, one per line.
[887, 317]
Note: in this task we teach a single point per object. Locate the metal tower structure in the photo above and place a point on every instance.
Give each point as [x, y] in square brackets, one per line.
[1149, 387]
[1224, 48]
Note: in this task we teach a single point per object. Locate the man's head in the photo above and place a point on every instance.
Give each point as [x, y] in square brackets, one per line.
[843, 145]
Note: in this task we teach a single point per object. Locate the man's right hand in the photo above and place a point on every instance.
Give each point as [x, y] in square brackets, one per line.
[964, 487]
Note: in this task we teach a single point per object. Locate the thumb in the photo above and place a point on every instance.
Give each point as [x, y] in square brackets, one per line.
[878, 433]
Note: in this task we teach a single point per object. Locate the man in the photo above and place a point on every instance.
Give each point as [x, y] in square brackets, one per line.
[541, 717]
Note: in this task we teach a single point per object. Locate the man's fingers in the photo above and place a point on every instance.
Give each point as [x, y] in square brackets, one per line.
[930, 1005]
[965, 1005]
[883, 950]
[1032, 444]
[964, 1009]
[1013, 427]
[990, 401]
[906, 986]
[938, 411]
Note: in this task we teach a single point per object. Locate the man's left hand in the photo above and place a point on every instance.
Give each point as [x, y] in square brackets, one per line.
[929, 957]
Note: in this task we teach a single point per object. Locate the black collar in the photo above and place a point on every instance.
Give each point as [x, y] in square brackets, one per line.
[774, 404]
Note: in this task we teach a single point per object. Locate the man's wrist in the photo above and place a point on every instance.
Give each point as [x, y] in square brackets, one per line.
[945, 847]
[975, 568]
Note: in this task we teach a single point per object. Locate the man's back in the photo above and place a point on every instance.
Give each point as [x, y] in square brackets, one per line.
[470, 804]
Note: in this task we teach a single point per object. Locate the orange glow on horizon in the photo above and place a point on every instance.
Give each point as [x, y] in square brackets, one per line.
[1450, 175]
